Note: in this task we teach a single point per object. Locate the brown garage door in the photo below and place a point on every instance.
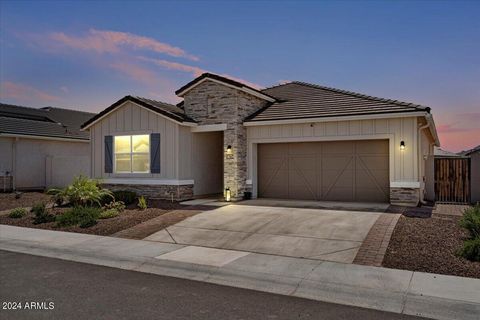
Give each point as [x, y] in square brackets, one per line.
[336, 171]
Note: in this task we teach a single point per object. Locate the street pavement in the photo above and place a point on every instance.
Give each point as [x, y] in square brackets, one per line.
[84, 291]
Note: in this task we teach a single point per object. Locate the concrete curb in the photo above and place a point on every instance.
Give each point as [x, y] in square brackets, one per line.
[399, 291]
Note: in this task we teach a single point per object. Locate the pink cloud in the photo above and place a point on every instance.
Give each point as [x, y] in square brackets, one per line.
[448, 128]
[22, 92]
[135, 71]
[195, 71]
[105, 41]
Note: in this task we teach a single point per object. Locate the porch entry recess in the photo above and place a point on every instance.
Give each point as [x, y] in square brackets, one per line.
[333, 171]
[452, 180]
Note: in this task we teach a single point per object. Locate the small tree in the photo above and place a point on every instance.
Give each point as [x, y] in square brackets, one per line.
[82, 192]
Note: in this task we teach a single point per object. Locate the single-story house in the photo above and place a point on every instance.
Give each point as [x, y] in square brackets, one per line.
[41, 148]
[292, 141]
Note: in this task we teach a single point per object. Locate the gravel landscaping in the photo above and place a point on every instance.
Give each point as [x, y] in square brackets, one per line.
[104, 227]
[27, 199]
[429, 245]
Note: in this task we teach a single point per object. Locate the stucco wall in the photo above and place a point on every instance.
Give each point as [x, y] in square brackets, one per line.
[403, 164]
[133, 119]
[30, 161]
[5, 155]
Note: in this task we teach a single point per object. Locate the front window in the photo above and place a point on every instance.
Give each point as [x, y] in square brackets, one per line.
[132, 154]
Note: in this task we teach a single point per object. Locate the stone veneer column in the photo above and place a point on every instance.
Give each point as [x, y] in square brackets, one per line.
[214, 103]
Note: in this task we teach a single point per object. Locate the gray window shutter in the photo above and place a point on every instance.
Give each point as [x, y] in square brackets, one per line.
[108, 154]
[155, 153]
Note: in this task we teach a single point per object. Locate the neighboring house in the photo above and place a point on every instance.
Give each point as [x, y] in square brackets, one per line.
[474, 155]
[292, 141]
[41, 148]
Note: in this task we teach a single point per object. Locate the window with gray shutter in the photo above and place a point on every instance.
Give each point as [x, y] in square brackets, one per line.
[155, 153]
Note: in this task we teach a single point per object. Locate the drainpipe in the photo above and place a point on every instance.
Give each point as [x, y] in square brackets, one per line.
[420, 156]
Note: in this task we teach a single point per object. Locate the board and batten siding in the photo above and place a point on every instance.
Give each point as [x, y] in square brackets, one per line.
[403, 164]
[131, 119]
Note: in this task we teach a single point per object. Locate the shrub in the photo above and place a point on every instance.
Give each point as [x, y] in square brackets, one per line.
[116, 205]
[17, 213]
[142, 203]
[471, 249]
[83, 216]
[41, 214]
[471, 221]
[88, 222]
[82, 192]
[109, 213]
[127, 197]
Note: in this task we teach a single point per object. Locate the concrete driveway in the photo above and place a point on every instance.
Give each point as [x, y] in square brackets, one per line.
[306, 233]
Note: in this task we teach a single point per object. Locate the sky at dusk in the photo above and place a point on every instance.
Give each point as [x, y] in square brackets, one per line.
[87, 55]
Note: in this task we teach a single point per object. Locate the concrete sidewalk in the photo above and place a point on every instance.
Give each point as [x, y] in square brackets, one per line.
[413, 293]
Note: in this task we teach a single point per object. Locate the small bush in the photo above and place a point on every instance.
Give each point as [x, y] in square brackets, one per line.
[116, 205]
[88, 222]
[41, 214]
[127, 197]
[82, 192]
[471, 221]
[142, 203]
[83, 216]
[471, 250]
[17, 213]
[109, 213]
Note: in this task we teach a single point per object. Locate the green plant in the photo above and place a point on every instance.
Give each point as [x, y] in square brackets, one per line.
[83, 216]
[17, 213]
[127, 197]
[116, 205]
[471, 221]
[142, 203]
[82, 192]
[471, 250]
[41, 214]
[88, 222]
[109, 213]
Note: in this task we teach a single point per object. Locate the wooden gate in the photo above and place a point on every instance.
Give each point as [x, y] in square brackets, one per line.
[452, 180]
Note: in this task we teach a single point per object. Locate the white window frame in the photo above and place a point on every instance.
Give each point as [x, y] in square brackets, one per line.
[131, 153]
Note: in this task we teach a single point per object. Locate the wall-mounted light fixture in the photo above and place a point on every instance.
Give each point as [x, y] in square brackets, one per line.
[229, 149]
[228, 194]
[402, 145]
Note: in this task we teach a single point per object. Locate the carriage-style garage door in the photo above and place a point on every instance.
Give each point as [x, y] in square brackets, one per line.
[336, 171]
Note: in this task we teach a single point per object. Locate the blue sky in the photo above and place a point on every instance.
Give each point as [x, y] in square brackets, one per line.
[87, 55]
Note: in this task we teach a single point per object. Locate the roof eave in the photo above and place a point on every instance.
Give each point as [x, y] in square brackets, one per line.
[218, 79]
[107, 111]
[252, 122]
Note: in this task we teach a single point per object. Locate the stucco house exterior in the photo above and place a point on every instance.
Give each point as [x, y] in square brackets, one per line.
[291, 141]
[41, 148]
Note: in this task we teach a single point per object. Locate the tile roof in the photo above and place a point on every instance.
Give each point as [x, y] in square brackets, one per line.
[300, 100]
[47, 122]
[169, 110]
